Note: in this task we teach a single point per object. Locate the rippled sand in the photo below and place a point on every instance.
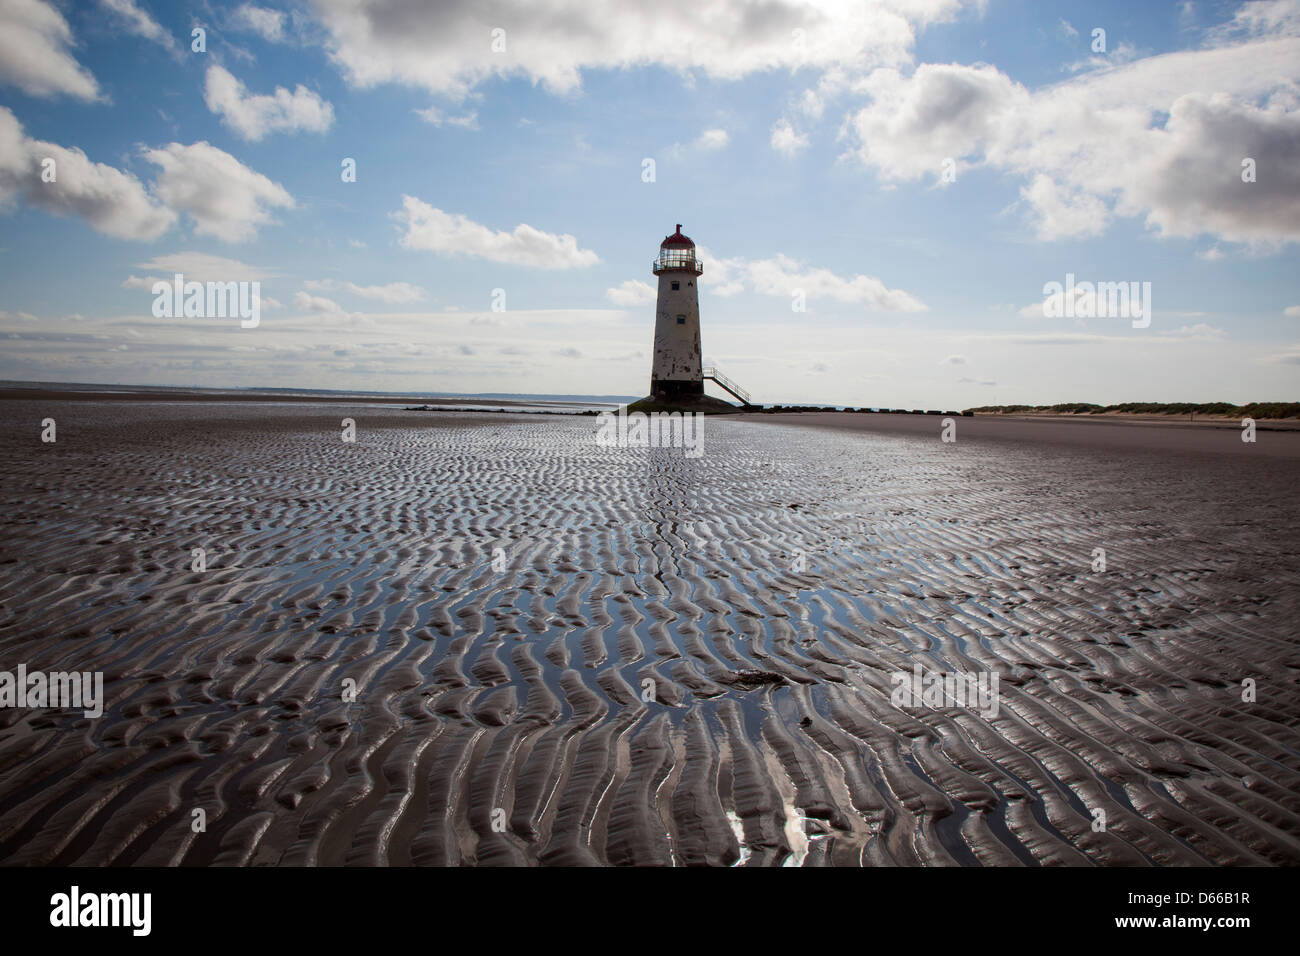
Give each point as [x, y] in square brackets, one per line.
[760, 596]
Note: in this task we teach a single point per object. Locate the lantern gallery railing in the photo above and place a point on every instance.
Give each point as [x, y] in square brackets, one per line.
[677, 260]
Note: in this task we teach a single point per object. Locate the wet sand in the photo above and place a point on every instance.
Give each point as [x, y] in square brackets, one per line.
[670, 661]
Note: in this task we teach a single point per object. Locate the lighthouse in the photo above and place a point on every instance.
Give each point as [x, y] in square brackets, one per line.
[678, 373]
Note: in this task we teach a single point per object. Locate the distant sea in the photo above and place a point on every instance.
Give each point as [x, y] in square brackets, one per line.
[217, 393]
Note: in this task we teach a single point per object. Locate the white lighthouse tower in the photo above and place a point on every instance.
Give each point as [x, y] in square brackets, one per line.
[678, 373]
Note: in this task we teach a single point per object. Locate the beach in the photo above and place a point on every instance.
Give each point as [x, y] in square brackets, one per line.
[484, 639]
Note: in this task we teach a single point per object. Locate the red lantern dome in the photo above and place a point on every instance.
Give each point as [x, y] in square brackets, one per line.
[676, 239]
[677, 253]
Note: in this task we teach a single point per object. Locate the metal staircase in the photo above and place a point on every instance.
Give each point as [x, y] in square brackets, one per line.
[712, 372]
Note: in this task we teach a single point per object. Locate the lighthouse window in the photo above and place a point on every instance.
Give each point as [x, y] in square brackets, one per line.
[676, 286]
[681, 320]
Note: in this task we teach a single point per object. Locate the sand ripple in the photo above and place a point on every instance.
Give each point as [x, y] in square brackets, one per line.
[669, 661]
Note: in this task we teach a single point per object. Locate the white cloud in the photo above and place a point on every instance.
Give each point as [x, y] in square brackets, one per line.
[202, 266]
[1182, 191]
[435, 117]
[914, 123]
[722, 276]
[113, 202]
[394, 293]
[1063, 338]
[269, 24]
[632, 292]
[140, 23]
[1199, 331]
[1123, 53]
[317, 304]
[253, 116]
[709, 141]
[786, 140]
[432, 230]
[713, 139]
[225, 198]
[1261, 17]
[1161, 139]
[782, 276]
[1292, 311]
[447, 47]
[1061, 213]
[830, 85]
[34, 42]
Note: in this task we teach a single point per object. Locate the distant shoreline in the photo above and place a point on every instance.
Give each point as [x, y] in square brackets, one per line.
[1273, 411]
[1182, 421]
[58, 392]
[128, 393]
[1094, 434]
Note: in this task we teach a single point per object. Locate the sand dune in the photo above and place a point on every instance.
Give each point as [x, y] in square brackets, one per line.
[760, 596]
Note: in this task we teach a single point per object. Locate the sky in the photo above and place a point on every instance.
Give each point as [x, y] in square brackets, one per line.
[882, 194]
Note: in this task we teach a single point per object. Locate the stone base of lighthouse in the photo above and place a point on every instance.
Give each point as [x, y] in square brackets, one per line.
[695, 401]
[676, 390]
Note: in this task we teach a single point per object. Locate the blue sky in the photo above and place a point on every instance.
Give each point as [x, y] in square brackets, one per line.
[802, 145]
